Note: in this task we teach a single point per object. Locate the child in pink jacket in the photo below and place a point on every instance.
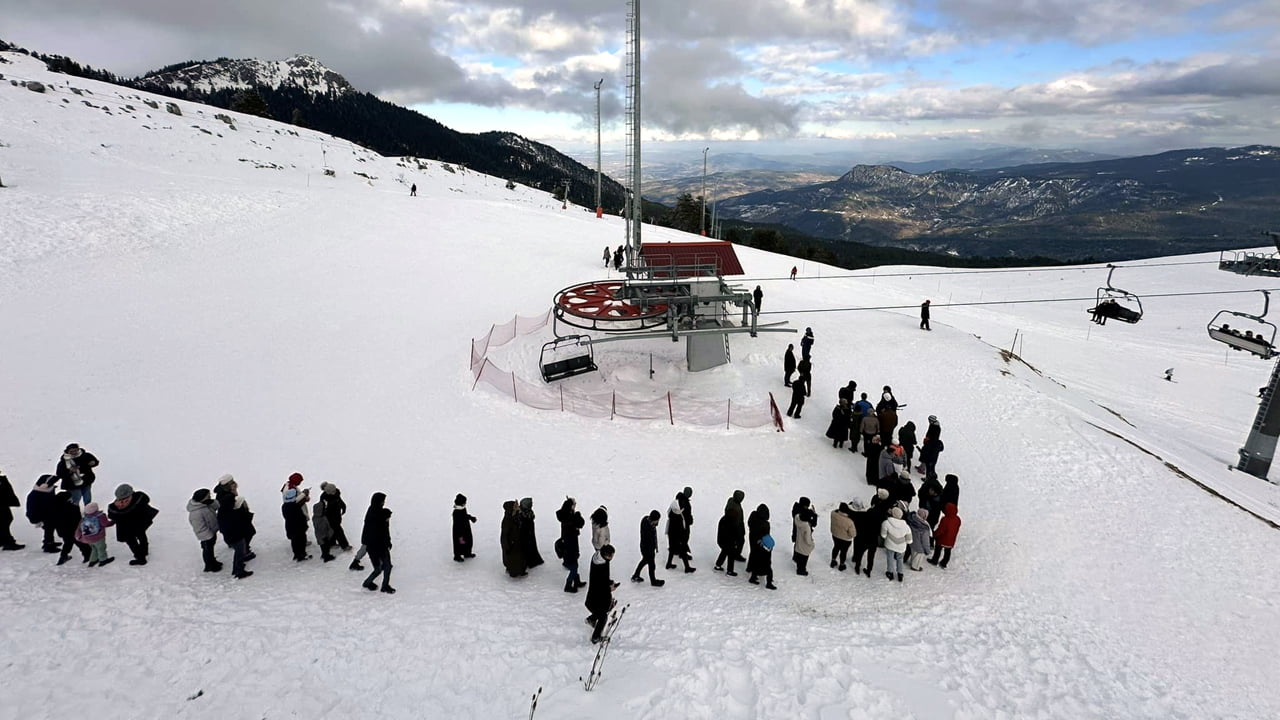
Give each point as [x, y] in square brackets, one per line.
[92, 531]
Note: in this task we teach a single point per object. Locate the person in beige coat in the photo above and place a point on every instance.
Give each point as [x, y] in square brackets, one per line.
[803, 520]
[842, 534]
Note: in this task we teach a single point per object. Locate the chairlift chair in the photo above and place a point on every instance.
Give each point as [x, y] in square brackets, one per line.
[1116, 304]
[1258, 340]
[566, 356]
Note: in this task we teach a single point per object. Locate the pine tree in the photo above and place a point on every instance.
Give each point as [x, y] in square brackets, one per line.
[250, 102]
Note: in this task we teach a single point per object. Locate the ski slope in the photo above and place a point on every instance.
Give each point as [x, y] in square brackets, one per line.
[187, 300]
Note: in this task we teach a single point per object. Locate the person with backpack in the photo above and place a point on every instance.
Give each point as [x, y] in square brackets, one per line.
[896, 535]
[760, 560]
[202, 513]
[376, 535]
[567, 548]
[731, 533]
[41, 503]
[235, 522]
[679, 525]
[803, 522]
[93, 532]
[843, 533]
[293, 508]
[132, 514]
[649, 549]
[8, 499]
[600, 592]
[463, 543]
[945, 536]
[75, 469]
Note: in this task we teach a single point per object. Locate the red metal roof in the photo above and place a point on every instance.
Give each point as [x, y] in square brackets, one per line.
[706, 252]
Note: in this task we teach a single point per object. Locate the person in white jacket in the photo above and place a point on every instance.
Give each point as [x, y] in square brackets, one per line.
[897, 535]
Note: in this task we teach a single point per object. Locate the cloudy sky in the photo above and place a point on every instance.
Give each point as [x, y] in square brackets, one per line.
[916, 77]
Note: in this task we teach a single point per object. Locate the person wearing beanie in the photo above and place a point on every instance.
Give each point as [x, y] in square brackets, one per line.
[75, 469]
[843, 532]
[41, 508]
[600, 527]
[294, 510]
[509, 537]
[600, 589]
[334, 508]
[731, 533]
[760, 560]
[235, 522]
[649, 549]
[8, 499]
[132, 514]
[803, 522]
[567, 547]
[528, 534]
[678, 522]
[377, 537]
[887, 414]
[463, 544]
[66, 521]
[202, 513]
[896, 535]
[92, 531]
[945, 536]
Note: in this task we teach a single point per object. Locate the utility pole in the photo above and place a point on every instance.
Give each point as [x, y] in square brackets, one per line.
[702, 215]
[599, 207]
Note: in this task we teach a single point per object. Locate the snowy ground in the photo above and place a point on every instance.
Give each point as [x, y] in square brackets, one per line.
[183, 312]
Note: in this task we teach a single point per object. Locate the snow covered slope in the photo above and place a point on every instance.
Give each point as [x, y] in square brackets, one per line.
[186, 300]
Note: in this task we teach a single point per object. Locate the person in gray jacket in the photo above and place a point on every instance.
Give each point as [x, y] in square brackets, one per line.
[202, 511]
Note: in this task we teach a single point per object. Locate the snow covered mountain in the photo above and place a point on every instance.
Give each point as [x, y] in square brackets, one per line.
[185, 292]
[300, 71]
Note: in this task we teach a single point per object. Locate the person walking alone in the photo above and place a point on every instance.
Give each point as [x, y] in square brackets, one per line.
[649, 549]
[757, 295]
[377, 537]
[924, 316]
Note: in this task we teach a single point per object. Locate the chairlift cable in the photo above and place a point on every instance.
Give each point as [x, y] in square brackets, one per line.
[1055, 268]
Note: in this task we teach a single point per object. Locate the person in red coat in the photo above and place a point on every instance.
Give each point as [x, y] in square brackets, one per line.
[945, 535]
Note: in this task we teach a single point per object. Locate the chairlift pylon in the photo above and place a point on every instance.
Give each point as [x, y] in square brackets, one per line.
[1260, 341]
[1115, 304]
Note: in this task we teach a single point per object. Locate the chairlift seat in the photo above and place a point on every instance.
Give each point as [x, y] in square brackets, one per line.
[1255, 345]
[557, 365]
[1261, 339]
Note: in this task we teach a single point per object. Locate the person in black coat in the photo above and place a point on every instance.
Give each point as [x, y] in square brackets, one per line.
[649, 549]
[235, 522]
[41, 504]
[866, 524]
[570, 552]
[376, 536]
[760, 561]
[789, 364]
[679, 526]
[758, 296]
[731, 533]
[848, 392]
[907, 439]
[799, 389]
[924, 315]
[838, 430]
[65, 518]
[931, 499]
[528, 535]
[873, 450]
[294, 509]
[462, 540]
[600, 592]
[512, 548]
[8, 499]
[951, 491]
[334, 508]
[132, 513]
[75, 469]
[806, 344]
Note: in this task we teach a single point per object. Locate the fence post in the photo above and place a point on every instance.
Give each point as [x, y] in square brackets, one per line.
[728, 410]
[514, 394]
[561, 398]
[613, 410]
[477, 382]
[670, 413]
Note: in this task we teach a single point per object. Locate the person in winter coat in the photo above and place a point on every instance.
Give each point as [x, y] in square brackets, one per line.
[607, 255]
[873, 451]
[679, 522]
[75, 469]
[463, 543]
[838, 430]
[571, 524]
[924, 316]
[887, 414]
[132, 514]
[931, 499]
[294, 509]
[731, 533]
[334, 509]
[600, 592]
[600, 527]
[843, 532]
[806, 344]
[867, 522]
[804, 519]
[907, 439]
[760, 560]
[793, 272]
[235, 522]
[788, 364]
[93, 532]
[951, 491]
[921, 539]
[8, 499]
[799, 390]
[901, 490]
[323, 530]
[202, 513]
[649, 549]
[887, 466]
[66, 521]
[376, 536]
[41, 504]
[869, 426]
[945, 536]
[512, 547]
[528, 535]
[847, 393]
[757, 295]
[897, 535]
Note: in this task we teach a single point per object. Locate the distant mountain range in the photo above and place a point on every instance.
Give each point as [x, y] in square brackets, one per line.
[1173, 202]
